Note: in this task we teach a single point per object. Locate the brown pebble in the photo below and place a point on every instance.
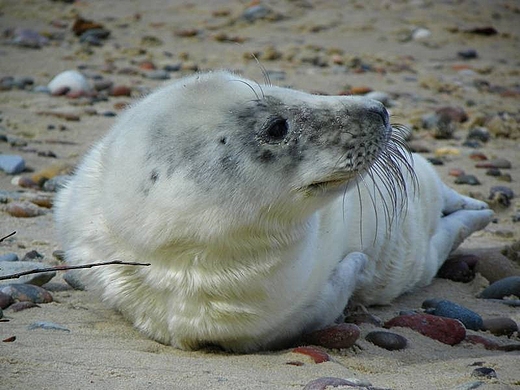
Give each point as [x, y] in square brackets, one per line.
[501, 326]
[81, 25]
[360, 90]
[24, 210]
[456, 114]
[5, 300]
[493, 265]
[500, 163]
[120, 105]
[336, 336]
[9, 339]
[120, 90]
[147, 65]
[456, 172]
[387, 340]
[478, 156]
[19, 306]
[318, 355]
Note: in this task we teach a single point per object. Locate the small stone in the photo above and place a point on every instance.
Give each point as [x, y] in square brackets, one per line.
[336, 336]
[94, 36]
[70, 81]
[24, 210]
[103, 84]
[364, 318]
[420, 34]
[26, 292]
[447, 151]
[387, 340]
[256, 12]
[327, 382]
[81, 25]
[487, 30]
[467, 179]
[26, 37]
[508, 192]
[472, 144]
[502, 288]
[468, 54]
[172, 67]
[493, 265]
[5, 300]
[435, 161]
[120, 90]
[47, 326]
[157, 75]
[56, 183]
[20, 306]
[316, 354]
[459, 268]
[454, 113]
[456, 172]
[493, 172]
[9, 257]
[500, 163]
[484, 372]
[12, 163]
[478, 156]
[446, 330]
[479, 134]
[73, 279]
[448, 309]
[38, 279]
[501, 326]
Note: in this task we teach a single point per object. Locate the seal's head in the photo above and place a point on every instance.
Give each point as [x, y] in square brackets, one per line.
[220, 148]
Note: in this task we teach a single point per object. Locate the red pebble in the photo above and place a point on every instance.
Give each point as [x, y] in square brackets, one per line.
[315, 353]
[147, 65]
[120, 90]
[478, 156]
[336, 336]
[487, 343]
[445, 330]
[456, 172]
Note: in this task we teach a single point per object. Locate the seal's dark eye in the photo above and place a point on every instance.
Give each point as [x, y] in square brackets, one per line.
[277, 129]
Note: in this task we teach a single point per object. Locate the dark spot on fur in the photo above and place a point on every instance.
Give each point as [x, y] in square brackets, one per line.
[223, 140]
[154, 176]
[266, 156]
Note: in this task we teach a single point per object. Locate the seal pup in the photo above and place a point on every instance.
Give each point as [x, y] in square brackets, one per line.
[262, 211]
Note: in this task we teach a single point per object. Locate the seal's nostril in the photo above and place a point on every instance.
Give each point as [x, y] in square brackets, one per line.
[382, 113]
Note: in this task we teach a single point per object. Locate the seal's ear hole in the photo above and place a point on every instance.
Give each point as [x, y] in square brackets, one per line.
[223, 140]
[277, 129]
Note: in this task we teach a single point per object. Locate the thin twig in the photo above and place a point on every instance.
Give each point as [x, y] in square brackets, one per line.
[69, 267]
[6, 237]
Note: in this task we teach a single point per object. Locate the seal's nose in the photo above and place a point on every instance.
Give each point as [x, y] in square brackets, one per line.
[377, 108]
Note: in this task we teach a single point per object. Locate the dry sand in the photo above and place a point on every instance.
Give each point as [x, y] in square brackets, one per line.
[102, 351]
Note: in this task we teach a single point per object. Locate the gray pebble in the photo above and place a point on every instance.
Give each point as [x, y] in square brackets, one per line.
[157, 75]
[173, 67]
[500, 326]
[56, 183]
[508, 192]
[256, 12]
[387, 340]
[467, 179]
[14, 267]
[5, 300]
[484, 372]
[469, 385]
[11, 164]
[47, 326]
[448, 309]
[26, 37]
[502, 288]
[73, 279]
[9, 257]
[41, 89]
[468, 54]
[479, 134]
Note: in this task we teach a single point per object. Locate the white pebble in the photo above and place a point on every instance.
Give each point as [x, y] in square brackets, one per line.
[71, 79]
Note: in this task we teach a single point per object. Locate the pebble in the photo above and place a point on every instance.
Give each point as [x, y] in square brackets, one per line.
[500, 326]
[70, 81]
[20, 306]
[467, 179]
[103, 84]
[500, 163]
[172, 67]
[468, 54]
[446, 330]
[447, 151]
[502, 288]
[316, 354]
[157, 75]
[478, 156]
[435, 161]
[485, 372]
[494, 265]
[94, 36]
[47, 326]
[9, 257]
[38, 279]
[5, 300]
[41, 89]
[120, 90]
[472, 144]
[56, 183]
[448, 309]
[493, 172]
[459, 268]
[328, 382]
[12, 163]
[387, 340]
[26, 37]
[73, 279]
[420, 34]
[364, 318]
[24, 210]
[469, 385]
[479, 134]
[256, 12]
[508, 192]
[454, 113]
[26, 292]
[336, 336]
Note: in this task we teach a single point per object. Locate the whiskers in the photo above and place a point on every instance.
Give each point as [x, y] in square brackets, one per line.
[390, 181]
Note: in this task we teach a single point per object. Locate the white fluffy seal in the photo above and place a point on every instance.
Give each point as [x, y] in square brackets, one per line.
[262, 210]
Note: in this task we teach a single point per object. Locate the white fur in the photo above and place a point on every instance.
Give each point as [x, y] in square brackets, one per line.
[248, 266]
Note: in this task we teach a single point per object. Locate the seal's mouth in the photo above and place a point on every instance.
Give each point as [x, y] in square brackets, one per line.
[333, 181]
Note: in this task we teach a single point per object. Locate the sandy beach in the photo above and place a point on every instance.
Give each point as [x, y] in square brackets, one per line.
[420, 56]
